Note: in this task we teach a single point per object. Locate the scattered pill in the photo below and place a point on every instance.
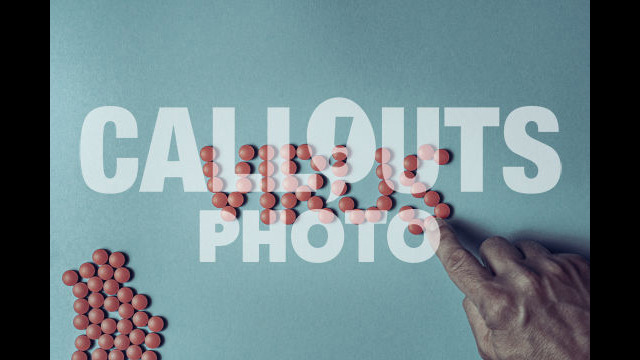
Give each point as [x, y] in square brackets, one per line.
[384, 203]
[426, 152]
[105, 272]
[134, 352]
[87, 270]
[340, 153]
[105, 341]
[122, 275]
[346, 203]
[246, 152]
[81, 306]
[326, 216]
[339, 187]
[303, 193]
[431, 198]
[289, 167]
[290, 183]
[373, 214]
[318, 163]
[288, 216]
[407, 178]
[125, 294]
[383, 155]
[79, 355]
[208, 153]
[315, 181]
[149, 355]
[116, 354]
[266, 168]
[96, 316]
[228, 213]
[235, 199]
[80, 290]
[289, 200]
[156, 324]
[267, 184]
[406, 213]
[441, 157]
[124, 327]
[340, 169]
[121, 342]
[70, 278]
[152, 340]
[210, 169]
[117, 259]
[99, 354]
[304, 152]
[140, 319]
[442, 210]
[111, 287]
[267, 200]
[94, 331]
[384, 171]
[100, 256]
[268, 216]
[136, 337]
[108, 326]
[80, 322]
[288, 152]
[111, 303]
[416, 226]
[356, 216]
[219, 200]
[386, 187]
[418, 190]
[83, 343]
[411, 162]
[215, 184]
[242, 169]
[140, 302]
[315, 203]
[126, 311]
[266, 152]
[244, 185]
[96, 299]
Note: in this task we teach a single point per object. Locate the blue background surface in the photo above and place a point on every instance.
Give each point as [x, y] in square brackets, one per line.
[252, 55]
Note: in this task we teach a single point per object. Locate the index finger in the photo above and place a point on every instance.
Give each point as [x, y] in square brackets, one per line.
[463, 268]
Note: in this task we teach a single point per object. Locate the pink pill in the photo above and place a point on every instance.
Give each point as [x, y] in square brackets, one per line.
[117, 259]
[83, 343]
[134, 352]
[288, 167]
[149, 355]
[356, 216]
[268, 216]
[425, 152]
[266, 152]
[441, 157]
[79, 355]
[383, 155]
[96, 316]
[116, 354]
[288, 216]
[100, 256]
[288, 152]
[105, 272]
[406, 213]
[303, 193]
[108, 326]
[315, 181]
[339, 187]
[99, 354]
[125, 294]
[215, 184]
[267, 184]
[124, 327]
[384, 171]
[386, 187]
[140, 302]
[81, 306]
[152, 340]
[111, 287]
[318, 163]
[266, 168]
[80, 322]
[87, 270]
[373, 214]
[96, 300]
[407, 178]
[122, 275]
[137, 336]
[94, 331]
[244, 185]
[290, 183]
[156, 324]
[326, 216]
[126, 311]
[418, 190]
[228, 213]
[121, 342]
[140, 319]
[80, 290]
[70, 278]
[105, 341]
[210, 169]
[111, 303]
[340, 153]
[340, 169]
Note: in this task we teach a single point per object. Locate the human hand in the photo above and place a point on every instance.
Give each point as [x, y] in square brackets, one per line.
[526, 303]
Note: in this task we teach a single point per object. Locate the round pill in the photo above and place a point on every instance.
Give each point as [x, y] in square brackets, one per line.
[442, 210]
[289, 200]
[108, 326]
[219, 200]
[156, 324]
[79, 355]
[288, 216]
[105, 272]
[149, 355]
[124, 327]
[340, 169]
[268, 216]
[96, 299]
[210, 169]
[315, 203]
[96, 316]
[431, 198]
[134, 352]
[356, 216]
[122, 274]
[83, 343]
[441, 157]
[418, 190]
[411, 162]
[207, 153]
[346, 203]
[111, 287]
[99, 354]
[318, 163]
[244, 185]
[111, 303]
[287, 152]
[94, 331]
[304, 152]
[386, 187]
[384, 203]
[426, 152]
[339, 187]
[140, 319]
[266, 152]
[290, 183]
[125, 294]
[116, 354]
[87, 270]
[407, 178]
[136, 337]
[383, 155]
[289, 167]
[267, 184]
[80, 290]
[235, 199]
[215, 184]
[266, 168]
[303, 193]
[100, 256]
[383, 171]
[267, 200]
[121, 342]
[242, 169]
[94, 284]
[81, 306]
[315, 181]
[152, 340]
[117, 259]
[373, 214]
[105, 341]
[326, 216]
[406, 213]
[70, 278]
[140, 302]
[80, 322]
[126, 311]
[228, 213]
[416, 226]
[340, 153]
[246, 152]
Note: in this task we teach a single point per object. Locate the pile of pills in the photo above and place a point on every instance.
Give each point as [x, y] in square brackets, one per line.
[104, 292]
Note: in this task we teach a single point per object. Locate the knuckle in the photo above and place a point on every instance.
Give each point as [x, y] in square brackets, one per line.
[498, 310]
[526, 279]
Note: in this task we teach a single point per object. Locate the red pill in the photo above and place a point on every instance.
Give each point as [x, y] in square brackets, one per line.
[266, 152]
[87, 270]
[318, 162]
[116, 354]
[346, 203]
[121, 342]
[94, 284]
[137, 336]
[303, 193]
[156, 324]
[228, 213]
[111, 287]
[219, 200]
[289, 200]
[383, 155]
[304, 152]
[315, 181]
[149, 355]
[126, 311]
[99, 354]
[384, 203]
[117, 259]
[70, 278]
[111, 303]
[441, 157]
[80, 290]
[105, 272]
[122, 275]
[407, 178]
[210, 169]
[340, 169]
[416, 227]
[79, 355]
[288, 216]
[267, 200]
[289, 167]
[411, 162]
[431, 198]
[266, 168]
[243, 169]
[152, 340]
[108, 326]
[207, 153]
[386, 187]
[80, 322]
[105, 341]
[125, 294]
[340, 152]
[83, 343]
[268, 216]
[124, 327]
[81, 306]
[140, 319]
[315, 203]
[96, 300]
[267, 184]
[139, 302]
[94, 331]
[96, 316]
[246, 152]
[442, 210]
[100, 256]
[288, 152]
[339, 187]
[235, 199]
[406, 213]
[134, 352]
[383, 171]
[418, 190]
[215, 184]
